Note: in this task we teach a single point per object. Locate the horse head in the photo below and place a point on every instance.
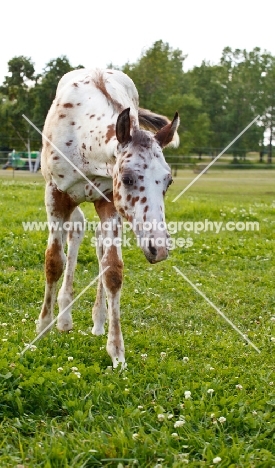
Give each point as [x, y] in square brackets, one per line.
[141, 177]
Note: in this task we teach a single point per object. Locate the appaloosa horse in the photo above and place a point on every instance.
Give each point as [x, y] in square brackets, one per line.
[98, 146]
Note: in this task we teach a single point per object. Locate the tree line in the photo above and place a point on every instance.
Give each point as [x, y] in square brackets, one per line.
[215, 101]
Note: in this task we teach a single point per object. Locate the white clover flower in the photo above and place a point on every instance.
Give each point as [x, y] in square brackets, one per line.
[272, 338]
[161, 417]
[77, 374]
[211, 368]
[174, 434]
[33, 347]
[170, 416]
[239, 387]
[185, 359]
[23, 320]
[127, 390]
[217, 460]
[74, 369]
[187, 394]
[70, 358]
[179, 423]
[4, 324]
[110, 417]
[221, 419]
[59, 369]
[210, 390]
[271, 383]
[254, 413]
[140, 407]
[135, 436]
[5, 339]
[143, 356]
[163, 355]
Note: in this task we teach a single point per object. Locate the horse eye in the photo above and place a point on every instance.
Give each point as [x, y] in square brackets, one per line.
[127, 180]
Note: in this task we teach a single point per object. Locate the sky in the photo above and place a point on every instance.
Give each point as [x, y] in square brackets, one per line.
[97, 33]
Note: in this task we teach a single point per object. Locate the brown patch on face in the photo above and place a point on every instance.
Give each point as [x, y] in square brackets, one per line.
[141, 189]
[61, 176]
[56, 158]
[72, 123]
[110, 132]
[141, 177]
[157, 181]
[92, 115]
[145, 166]
[134, 200]
[62, 116]
[146, 209]
[54, 263]
[83, 146]
[68, 104]
[79, 104]
[143, 200]
[129, 196]
[75, 85]
[69, 143]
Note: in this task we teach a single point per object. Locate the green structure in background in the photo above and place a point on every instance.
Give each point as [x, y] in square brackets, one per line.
[23, 160]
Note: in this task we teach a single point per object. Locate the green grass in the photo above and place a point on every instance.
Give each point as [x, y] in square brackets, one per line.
[52, 418]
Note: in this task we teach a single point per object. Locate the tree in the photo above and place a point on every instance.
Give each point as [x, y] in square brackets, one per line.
[16, 99]
[157, 75]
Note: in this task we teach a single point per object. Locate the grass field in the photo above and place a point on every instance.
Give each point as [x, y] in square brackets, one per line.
[54, 415]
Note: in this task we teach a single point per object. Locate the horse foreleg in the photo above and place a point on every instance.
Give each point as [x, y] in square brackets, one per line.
[59, 207]
[65, 295]
[99, 313]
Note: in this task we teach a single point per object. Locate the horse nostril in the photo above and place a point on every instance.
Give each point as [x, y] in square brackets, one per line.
[152, 249]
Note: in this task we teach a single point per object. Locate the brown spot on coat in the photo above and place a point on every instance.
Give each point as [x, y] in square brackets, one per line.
[63, 204]
[143, 200]
[61, 116]
[113, 276]
[54, 263]
[68, 104]
[83, 146]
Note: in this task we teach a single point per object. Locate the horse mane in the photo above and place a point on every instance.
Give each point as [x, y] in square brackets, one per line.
[153, 122]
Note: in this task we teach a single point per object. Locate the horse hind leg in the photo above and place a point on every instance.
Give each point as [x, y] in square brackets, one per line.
[65, 295]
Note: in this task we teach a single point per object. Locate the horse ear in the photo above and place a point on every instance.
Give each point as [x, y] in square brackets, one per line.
[123, 127]
[166, 134]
